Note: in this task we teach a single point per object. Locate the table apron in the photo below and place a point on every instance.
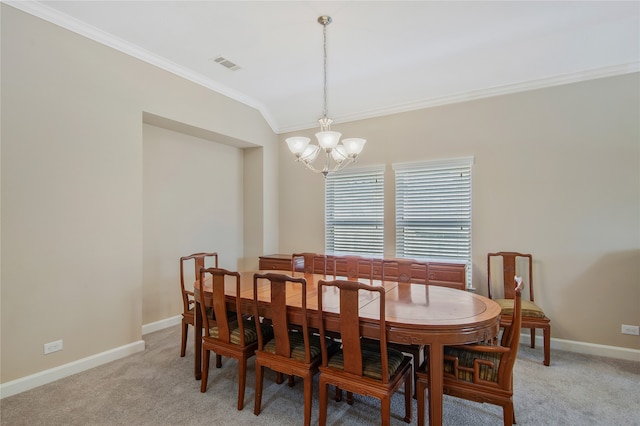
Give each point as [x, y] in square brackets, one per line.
[402, 335]
[428, 335]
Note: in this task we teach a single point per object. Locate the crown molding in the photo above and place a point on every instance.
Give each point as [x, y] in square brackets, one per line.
[507, 89]
[47, 13]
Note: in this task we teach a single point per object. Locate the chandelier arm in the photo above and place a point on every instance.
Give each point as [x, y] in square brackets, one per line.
[326, 169]
[310, 167]
[341, 165]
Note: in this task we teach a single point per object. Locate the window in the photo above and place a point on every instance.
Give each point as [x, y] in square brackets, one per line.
[433, 210]
[354, 211]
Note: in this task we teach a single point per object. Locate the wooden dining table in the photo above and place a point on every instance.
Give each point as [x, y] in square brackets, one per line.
[416, 314]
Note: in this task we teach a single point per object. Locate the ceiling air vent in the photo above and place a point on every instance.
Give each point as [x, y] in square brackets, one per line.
[226, 63]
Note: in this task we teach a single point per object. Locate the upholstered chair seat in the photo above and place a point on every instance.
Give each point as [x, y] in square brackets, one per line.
[250, 334]
[371, 361]
[529, 309]
[296, 339]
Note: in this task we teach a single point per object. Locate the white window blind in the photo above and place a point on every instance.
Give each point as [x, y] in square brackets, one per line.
[433, 210]
[354, 211]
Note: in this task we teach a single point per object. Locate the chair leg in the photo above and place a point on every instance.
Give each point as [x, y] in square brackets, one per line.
[533, 337]
[205, 370]
[322, 418]
[407, 397]
[508, 415]
[308, 394]
[338, 396]
[258, 397]
[349, 398]
[292, 380]
[546, 333]
[417, 360]
[185, 333]
[420, 391]
[385, 411]
[242, 380]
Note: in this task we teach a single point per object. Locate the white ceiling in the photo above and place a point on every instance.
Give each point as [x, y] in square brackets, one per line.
[383, 56]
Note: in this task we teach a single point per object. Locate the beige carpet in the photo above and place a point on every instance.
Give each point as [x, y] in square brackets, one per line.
[156, 387]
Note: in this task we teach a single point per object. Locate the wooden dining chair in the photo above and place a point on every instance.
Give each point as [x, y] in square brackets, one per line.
[311, 263]
[200, 260]
[407, 271]
[507, 265]
[230, 337]
[353, 267]
[370, 369]
[480, 372]
[293, 350]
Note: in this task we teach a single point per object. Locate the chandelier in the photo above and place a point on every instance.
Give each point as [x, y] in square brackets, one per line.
[336, 154]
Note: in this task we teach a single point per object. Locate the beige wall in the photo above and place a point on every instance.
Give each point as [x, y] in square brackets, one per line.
[72, 189]
[556, 174]
[185, 179]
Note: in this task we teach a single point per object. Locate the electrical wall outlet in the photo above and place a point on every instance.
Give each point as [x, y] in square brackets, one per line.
[631, 329]
[52, 347]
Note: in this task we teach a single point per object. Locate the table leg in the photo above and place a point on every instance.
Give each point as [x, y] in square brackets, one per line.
[436, 367]
[197, 347]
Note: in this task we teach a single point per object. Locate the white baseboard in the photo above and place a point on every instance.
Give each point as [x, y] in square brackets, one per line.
[161, 325]
[584, 348]
[42, 378]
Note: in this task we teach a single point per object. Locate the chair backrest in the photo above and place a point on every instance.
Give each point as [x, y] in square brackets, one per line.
[200, 261]
[217, 278]
[311, 262]
[511, 335]
[350, 330]
[354, 266]
[405, 271]
[282, 286]
[513, 263]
